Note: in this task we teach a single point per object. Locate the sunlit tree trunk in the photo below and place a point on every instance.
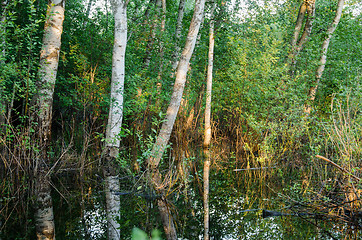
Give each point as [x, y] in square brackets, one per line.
[177, 49]
[49, 58]
[166, 129]
[115, 117]
[207, 134]
[323, 59]
[307, 27]
[308, 6]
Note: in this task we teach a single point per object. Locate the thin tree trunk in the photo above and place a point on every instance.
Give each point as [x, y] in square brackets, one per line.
[161, 52]
[308, 6]
[308, 26]
[49, 58]
[299, 24]
[177, 49]
[298, 46]
[115, 117]
[2, 60]
[207, 134]
[166, 129]
[147, 58]
[163, 25]
[323, 59]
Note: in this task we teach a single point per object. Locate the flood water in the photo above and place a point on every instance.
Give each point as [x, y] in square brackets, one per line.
[235, 210]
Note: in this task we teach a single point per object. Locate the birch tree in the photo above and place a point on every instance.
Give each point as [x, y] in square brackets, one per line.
[115, 117]
[207, 133]
[323, 58]
[166, 129]
[308, 6]
[49, 58]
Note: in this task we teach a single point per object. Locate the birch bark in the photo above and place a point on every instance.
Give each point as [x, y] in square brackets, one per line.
[323, 59]
[308, 6]
[166, 129]
[115, 118]
[207, 133]
[49, 58]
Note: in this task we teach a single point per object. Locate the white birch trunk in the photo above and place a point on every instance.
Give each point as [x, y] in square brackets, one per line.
[322, 62]
[172, 110]
[166, 129]
[298, 24]
[207, 133]
[49, 58]
[308, 26]
[115, 117]
[297, 45]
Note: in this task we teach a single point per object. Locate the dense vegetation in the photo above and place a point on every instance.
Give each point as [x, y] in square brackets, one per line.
[259, 122]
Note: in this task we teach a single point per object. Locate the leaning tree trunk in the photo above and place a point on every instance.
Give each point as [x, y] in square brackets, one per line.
[49, 58]
[166, 129]
[115, 118]
[323, 59]
[207, 134]
[296, 42]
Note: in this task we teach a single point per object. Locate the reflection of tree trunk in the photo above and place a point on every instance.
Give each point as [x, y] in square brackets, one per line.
[166, 129]
[49, 58]
[323, 59]
[178, 30]
[115, 117]
[207, 134]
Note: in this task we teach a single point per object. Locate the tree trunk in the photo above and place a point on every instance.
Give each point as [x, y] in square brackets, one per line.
[207, 134]
[297, 45]
[2, 61]
[323, 59]
[163, 25]
[166, 129]
[307, 27]
[147, 58]
[161, 4]
[180, 16]
[115, 118]
[49, 58]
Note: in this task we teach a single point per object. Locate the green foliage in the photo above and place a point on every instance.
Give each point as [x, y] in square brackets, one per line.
[138, 234]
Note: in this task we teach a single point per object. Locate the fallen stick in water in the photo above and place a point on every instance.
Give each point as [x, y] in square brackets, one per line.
[245, 169]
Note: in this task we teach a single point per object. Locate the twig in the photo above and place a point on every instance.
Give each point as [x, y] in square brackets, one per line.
[339, 167]
[245, 169]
